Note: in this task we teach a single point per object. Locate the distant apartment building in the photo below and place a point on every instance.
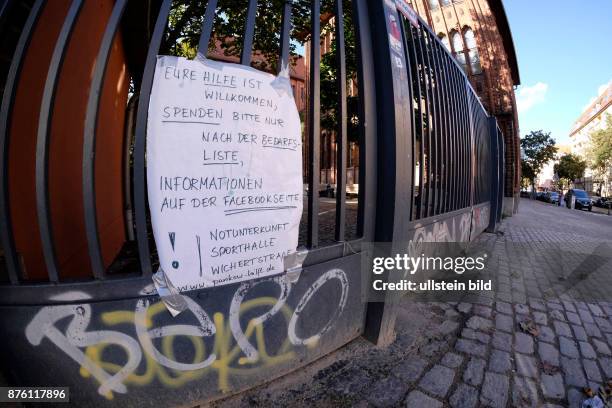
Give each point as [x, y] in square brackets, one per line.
[546, 178]
[591, 120]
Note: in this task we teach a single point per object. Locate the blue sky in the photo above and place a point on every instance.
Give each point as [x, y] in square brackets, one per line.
[564, 51]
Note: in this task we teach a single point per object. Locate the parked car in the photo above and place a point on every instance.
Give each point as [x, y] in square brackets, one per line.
[541, 195]
[552, 197]
[602, 202]
[582, 199]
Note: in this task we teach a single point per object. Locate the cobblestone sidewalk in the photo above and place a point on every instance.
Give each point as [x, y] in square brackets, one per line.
[470, 354]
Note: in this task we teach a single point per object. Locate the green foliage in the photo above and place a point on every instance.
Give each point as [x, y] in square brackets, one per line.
[184, 30]
[570, 167]
[329, 78]
[539, 148]
[600, 153]
[185, 25]
[527, 171]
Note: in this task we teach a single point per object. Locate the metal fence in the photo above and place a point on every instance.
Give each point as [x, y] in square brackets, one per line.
[137, 183]
[448, 122]
[424, 152]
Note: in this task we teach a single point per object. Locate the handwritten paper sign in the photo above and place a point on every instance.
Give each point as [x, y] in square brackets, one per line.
[224, 171]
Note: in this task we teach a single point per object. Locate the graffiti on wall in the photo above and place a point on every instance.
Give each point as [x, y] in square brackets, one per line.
[149, 354]
[480, 218]
[453, 229]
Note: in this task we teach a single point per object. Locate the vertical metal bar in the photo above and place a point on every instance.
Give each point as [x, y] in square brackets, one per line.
[42, 141]
[462, 159]
[314, 128]
[4, 9]
[422, 112]
[468, 137]
[249, 31]
[89, 141]
[438, 121]
[140, 139]
[128, 209]
[454, 131]
[415, 88]
[445, 108]
[456, 179]
[477, 153]
[448, 112]
[477, 157]
[459, 155]
[425, 65]
[10, 90]
[422, 102]
[451, 126]
[432, 123]
[284, 38]
[367, 119]
[467, 144]
[493, 181]
[341, 131]
[207, 26]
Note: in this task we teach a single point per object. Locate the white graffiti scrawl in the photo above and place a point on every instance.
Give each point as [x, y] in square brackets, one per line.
[76, 336]
[79, 342]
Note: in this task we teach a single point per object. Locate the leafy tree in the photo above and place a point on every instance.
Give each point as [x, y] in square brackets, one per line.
[599, 155]
[184, 31]
[570, 167]
[539, 148]
[186, 19]
[527, 173]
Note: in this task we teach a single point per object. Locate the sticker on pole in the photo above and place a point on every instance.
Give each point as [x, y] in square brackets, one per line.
[224, 171]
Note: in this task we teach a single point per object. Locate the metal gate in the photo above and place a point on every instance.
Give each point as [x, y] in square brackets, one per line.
[68, 178]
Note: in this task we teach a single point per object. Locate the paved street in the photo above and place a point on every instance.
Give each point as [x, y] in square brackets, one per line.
[542, 335]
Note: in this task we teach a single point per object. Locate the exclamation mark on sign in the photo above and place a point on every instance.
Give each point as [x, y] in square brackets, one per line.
[172, 236]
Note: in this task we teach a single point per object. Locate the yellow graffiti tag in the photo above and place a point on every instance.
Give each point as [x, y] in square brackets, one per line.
[228, 362]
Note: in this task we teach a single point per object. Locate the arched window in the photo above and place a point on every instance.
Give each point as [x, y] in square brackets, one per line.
[434, 4]
[444, 40]
[472, 49]
[458, 50]
[457, 44]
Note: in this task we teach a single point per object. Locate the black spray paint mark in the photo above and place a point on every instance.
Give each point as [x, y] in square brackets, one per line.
[172, 236]
[199, 253]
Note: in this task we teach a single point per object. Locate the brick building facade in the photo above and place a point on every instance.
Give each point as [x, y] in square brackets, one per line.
[477, 33]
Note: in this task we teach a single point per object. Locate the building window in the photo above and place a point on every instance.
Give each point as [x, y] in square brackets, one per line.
[444, 40]
[465, 50]
[458, 49]
[472, 49]
[434, 4]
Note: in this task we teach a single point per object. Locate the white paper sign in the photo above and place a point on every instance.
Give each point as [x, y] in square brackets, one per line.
[224, 171]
